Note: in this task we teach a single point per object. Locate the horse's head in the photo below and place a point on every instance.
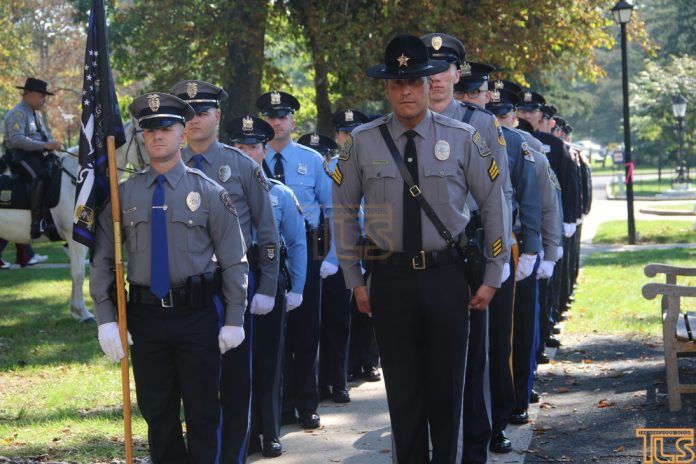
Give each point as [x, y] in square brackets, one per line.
[133, 151]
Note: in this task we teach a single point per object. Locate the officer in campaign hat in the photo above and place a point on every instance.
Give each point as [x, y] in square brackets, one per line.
[251, 134]
[416, 265]
[244, 179]
[27, 142]
[174, 219]
[302, 169]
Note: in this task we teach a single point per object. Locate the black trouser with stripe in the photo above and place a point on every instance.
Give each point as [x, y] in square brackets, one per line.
[335, 332]
[523, 338]
[363, 345]
[545, 316]
[421, 321]
[176, 357]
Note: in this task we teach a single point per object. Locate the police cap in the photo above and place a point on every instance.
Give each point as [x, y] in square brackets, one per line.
[318, 142]
[250, 130]
[531, 101]
[474, 75]
[347, 120]
[277, 104]
[157, 109]
[200, 95]
[406, 57]
[560, 122]
[502, 101]
[549, 111]
[444, 47]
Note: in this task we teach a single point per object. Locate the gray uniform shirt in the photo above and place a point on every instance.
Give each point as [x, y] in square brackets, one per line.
[549, 193]
[244, 179]
[367, 169]
[23, 129]
[194, 234]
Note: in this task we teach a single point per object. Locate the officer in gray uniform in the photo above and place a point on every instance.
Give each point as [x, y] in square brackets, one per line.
[27, 141]
[243, 178]
[174, 219]
[418, 287]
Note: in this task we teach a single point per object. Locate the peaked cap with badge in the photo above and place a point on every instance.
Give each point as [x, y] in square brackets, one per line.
[318, 142]
[155, 109]
[249, 130]
[200, 95]
[406, 57]
[35, 85]
[502, 101]
[549, 111]
[277, 104]
[531, 101]
[560, 122]
[444, 47]
[474, 75]
[349, 119]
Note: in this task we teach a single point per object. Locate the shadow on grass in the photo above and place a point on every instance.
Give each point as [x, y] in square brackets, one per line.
[632, 258]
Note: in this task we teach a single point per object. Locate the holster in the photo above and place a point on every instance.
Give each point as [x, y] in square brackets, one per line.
[283, 265]
[203, 287]
[472, 251]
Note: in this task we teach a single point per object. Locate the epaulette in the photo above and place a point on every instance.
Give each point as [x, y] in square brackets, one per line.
[372, 124]
[237, 151]
[449, 122]
[476, 108]
[202, 175]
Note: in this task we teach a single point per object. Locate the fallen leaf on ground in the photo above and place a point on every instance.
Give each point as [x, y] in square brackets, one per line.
[620, 448]
[563, 390]
[605, 404]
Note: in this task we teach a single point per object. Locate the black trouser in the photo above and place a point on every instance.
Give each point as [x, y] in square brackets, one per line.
[235, 390]
[421, 321]
[302, 343]
[566, 289]
[335, 332]
[545, 316]
[500, 314]
[176, 357]
[269, 349]
[553, 295]
[524, 335]
[364, 355]
[578, 237]
[31, 165]
[477, 430]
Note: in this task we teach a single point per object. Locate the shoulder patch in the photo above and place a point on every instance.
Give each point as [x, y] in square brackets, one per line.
[227, 201]
[493, 170]
[261, 178]
[346, 149]
[499, 130]
[528, 155]
[481, 145]
[337, 176]
[552, 177]
[270, 252]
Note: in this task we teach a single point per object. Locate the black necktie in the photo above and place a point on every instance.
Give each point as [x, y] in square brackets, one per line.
[278, 170]
[39, 128]
[412, 217]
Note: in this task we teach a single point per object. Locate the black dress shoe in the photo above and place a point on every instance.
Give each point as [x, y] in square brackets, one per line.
[543, 358]
[519, 417]
[254, 445]
[534, 397]
[500, 443]
[341, 396]
[310, 421]
[556, 330]
[372, 375]
[288, 418]
[272, 448]
[553, 342]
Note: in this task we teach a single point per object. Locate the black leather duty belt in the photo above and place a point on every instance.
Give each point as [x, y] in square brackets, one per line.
[421, 261]
[178, 297]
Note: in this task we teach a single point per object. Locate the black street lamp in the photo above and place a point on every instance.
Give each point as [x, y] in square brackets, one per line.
[622, 14]
[679, 111]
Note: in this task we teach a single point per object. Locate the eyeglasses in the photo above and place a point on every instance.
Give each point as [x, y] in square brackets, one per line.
[474, 93]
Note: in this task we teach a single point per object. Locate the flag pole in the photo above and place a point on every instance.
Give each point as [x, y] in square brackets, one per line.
[120, 296]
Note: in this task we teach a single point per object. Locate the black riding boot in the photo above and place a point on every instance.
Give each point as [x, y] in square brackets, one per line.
[36, 205]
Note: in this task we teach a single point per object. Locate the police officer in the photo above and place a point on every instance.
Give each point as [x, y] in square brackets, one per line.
[251, 135]
[418, 287]
[174, 219]
[363, 358]
[335, 298]
[301, 169]
[28, 140]
[243, 178]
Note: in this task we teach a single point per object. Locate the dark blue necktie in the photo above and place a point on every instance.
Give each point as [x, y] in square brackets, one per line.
[278, 170]
[198, 160]
[159, 258]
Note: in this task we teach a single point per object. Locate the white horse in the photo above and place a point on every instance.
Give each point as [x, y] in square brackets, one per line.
[14, 223]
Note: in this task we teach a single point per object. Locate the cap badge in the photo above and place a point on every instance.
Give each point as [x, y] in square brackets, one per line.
[403, 60]
[153, 101]
[349, 116]
[191, 89]
[193, 200]
[436, 42]
[499, 85]
[247, 124]
[314, 140]
[275, 98]
[466, 69]
[495, 96]
[528, 97]
[442, 150]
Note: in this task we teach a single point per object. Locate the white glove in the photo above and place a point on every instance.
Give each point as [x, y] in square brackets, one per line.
[110, 341]
[262, 304]
[569, 229]
[525, 266]
[230, 337]
[578, 222]
[327, 269]
[545, 270]
[559, 252]
[293, 301]
[506, 273]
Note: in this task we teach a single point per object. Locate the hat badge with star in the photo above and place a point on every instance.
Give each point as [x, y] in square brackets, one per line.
[436, 42]
[403, 60]
[191, 89]
[153, 101]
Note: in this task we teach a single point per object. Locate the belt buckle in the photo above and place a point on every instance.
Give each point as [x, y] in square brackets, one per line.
[167, 300]
[418, 262]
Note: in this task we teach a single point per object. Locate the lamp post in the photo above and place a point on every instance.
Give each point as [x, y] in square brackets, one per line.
[679, 112]
[622, 14]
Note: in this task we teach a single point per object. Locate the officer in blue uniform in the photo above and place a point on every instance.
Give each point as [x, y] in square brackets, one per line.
[301, 169]
[335, 298]
[251, 135]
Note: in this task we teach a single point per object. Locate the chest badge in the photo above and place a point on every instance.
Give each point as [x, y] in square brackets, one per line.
[302, 169]
[193, 201]
[442, 150]
[224, 173]
[274, 200]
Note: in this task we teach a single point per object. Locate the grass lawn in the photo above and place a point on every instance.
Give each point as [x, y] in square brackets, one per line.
[609, 299]
[598, 170]
[58, 394]
[675, 207]
[646, 188]
[616, 232]
[54, 250]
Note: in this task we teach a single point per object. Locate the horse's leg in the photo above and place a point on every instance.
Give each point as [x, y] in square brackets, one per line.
[78, 309]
